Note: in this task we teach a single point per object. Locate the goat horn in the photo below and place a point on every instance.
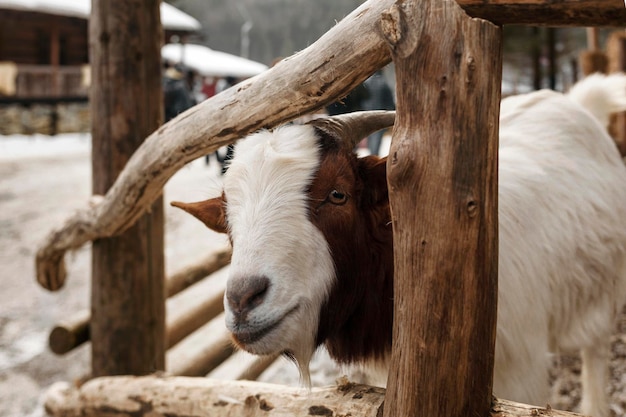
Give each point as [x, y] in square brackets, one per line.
[352, 127]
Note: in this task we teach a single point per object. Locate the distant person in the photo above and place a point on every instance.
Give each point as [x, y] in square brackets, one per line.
[209, 87]
[193, 86]
[380, 98]
[223, 84]
[177, 96]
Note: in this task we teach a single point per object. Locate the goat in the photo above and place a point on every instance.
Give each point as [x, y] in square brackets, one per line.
[312, 240]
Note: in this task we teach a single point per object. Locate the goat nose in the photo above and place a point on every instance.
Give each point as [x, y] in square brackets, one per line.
[244, 295]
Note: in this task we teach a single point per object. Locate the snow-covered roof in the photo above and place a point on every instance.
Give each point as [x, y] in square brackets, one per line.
[209, 62]
[171, 17]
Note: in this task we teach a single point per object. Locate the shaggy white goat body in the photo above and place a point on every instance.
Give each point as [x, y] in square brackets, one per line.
[562, 253]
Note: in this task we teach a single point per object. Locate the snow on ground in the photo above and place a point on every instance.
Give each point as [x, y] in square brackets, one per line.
[36, 146]
[42, 181]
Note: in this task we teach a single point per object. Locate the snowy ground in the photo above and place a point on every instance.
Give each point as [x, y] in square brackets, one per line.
[42, 180]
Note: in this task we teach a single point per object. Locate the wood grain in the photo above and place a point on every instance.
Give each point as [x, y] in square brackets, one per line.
[442, 172]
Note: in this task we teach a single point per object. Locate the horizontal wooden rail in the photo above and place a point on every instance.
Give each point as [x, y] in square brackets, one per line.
[242, 365]
[69, 333]
[199, 270]
[202, 351]
[549, 12]
[193, 307]
[204, 397]
[184, 316]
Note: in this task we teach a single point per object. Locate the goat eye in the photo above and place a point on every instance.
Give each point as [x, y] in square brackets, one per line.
[337, 197]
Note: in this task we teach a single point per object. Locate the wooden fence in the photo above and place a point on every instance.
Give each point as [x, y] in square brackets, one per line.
[457, 60]
[24, 83]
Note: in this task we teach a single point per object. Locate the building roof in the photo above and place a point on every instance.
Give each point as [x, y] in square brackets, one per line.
[171, 17]
[210, 62]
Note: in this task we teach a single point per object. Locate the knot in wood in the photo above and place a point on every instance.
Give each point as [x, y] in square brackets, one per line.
[391, 26]
[402, 27]
[472, 208]
[320, 410]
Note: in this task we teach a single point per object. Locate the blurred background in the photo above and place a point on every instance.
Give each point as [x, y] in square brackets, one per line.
[44, 53]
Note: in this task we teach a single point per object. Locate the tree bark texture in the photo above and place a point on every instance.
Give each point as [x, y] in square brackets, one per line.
[159, 396]
[548, 13]
[127, 291]
[442, 174]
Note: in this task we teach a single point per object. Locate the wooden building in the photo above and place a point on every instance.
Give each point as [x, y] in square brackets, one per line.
[44, 51]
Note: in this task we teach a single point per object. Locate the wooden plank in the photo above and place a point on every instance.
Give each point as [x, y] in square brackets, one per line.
[519, 12]
[186, 312]
[443, 195]
[194, 307]
[242, 365]
[22, 31]
[190, 275]
[202, 351]
[69, 333]
[203, 397]
[548, 12]
[128, 294]
[193, 302]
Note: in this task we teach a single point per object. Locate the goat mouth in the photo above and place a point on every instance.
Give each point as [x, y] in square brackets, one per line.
[249, 337]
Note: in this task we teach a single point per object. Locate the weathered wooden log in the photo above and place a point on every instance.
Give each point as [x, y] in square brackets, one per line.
[70, 333]
[593, 59]
[331, 67]
[194, 307]
[548, 13]
[616, 50]
[443, 168]
[159, 396]
[194, 273]
[201, 351]
[242, 365]
[128, 270]
[183, 317]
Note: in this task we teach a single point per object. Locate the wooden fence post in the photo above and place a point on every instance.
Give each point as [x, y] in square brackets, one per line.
[443, 192]
[616, 51]
[593, 59]
[127, 301]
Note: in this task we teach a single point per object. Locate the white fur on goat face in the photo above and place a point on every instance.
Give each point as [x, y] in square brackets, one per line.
[267, 215]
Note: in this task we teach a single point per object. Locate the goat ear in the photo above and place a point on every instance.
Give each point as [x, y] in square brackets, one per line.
[373, 172]
[210, 212]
